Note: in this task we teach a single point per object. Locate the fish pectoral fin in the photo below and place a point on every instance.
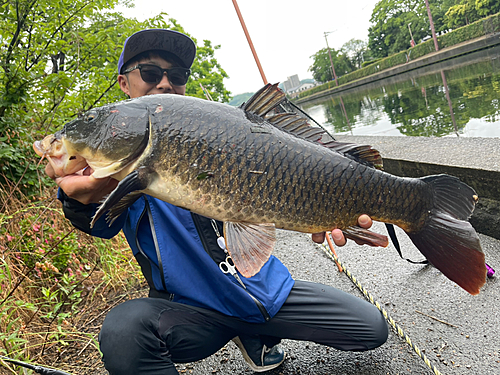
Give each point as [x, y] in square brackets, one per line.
[365, 237]
[124, 203]
[250, 245]
[133, 182]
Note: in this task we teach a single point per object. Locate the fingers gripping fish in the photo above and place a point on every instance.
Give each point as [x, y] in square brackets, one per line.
[258, 170]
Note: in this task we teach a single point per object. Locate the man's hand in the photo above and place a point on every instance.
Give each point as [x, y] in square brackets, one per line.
[364, 221]
[83, 187]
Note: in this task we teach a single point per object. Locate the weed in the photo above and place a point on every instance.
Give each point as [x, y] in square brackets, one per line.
[52, 278]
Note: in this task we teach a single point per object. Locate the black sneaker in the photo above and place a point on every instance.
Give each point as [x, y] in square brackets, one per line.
[259, 357]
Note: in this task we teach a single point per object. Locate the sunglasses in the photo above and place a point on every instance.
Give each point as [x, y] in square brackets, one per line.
[177, 76]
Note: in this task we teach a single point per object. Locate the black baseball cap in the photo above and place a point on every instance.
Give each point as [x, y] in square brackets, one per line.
[170, 41]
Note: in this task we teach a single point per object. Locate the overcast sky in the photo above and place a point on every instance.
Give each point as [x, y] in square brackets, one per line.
[285, 34]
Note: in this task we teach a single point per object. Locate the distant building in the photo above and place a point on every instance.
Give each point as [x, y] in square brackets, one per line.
[295, 91]
[291, 83]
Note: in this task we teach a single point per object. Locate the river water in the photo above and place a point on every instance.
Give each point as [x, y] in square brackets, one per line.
[458, 97]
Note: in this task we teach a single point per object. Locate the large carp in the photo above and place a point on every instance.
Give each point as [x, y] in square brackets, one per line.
[257, 170]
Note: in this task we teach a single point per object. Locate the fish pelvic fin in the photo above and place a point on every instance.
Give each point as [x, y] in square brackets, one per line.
[126, 193]
[365, 237]
[447, 239]
[250, 245]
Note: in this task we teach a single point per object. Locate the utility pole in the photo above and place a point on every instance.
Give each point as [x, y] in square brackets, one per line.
[336, 82]
[432, 25]
[412, 41]
[329, 54]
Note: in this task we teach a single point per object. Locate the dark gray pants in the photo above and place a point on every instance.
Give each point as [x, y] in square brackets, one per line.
[147, 336]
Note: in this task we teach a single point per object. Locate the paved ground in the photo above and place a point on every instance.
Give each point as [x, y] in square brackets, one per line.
[464, 341]
[456, 331]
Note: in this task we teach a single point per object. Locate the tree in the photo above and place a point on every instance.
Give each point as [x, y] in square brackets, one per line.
[392, 20]
[207, 72]
[322, 68]
[468, 11]
[461, 14]
[357, 51]
[438, 10]
[59, 59]
[389, 32]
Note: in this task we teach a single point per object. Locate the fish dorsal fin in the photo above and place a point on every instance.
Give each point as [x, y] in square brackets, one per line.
[250, 245]
[270, 96]
[299, 127]
[296, 125]
[264, 100]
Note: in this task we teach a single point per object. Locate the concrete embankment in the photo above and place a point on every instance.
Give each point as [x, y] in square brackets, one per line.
[445, 54]
[476, 161]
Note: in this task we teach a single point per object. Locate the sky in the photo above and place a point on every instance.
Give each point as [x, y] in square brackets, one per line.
[285, 33]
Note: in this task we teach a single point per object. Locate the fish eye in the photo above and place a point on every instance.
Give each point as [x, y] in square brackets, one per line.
[90, 117]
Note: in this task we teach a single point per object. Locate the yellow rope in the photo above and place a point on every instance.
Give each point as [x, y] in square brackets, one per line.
[391, 321]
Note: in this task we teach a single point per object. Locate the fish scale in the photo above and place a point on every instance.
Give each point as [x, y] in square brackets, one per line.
[257, 170]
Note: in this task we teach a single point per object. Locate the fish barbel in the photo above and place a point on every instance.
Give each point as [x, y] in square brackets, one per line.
[258, 170]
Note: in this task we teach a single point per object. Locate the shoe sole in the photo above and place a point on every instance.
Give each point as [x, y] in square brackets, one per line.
[249, 360]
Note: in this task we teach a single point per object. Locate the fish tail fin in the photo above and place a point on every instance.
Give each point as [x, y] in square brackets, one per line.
[448, 240]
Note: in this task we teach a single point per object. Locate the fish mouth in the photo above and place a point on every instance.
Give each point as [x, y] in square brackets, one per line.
[37, 146]
[63, 162]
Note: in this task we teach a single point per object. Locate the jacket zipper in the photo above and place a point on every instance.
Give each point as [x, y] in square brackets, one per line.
[260, 306]
[155, 241]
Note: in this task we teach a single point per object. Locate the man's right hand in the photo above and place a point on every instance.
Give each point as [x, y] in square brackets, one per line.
[364, 221]
[82, 187]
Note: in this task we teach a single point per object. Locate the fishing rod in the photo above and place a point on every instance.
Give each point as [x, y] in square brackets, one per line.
[38, 369]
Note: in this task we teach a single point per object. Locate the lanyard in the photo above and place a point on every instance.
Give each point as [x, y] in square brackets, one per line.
[227, 266]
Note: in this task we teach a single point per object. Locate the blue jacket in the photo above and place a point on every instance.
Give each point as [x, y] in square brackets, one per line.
[184, 266]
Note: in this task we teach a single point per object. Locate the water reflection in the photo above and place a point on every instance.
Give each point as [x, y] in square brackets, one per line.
[455, 98]
[448, 99]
